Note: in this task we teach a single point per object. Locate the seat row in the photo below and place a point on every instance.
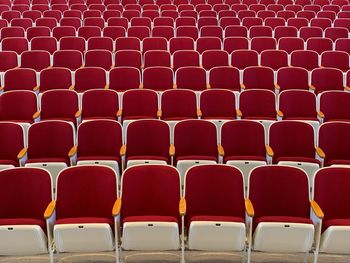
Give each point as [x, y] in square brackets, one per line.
[152, 207]
[52, 144]
[186, 77]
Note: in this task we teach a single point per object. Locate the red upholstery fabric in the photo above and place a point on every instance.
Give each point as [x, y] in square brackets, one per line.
[241, 139]
[306, 59]
[193, 78]
[50, 140]
[170, 101]
[29, 186]
[159, 58]
[223, 202]
[327, 79]
[89, 78]
[128, 58]
[55, 78]
[185, 58]
[332, 187]
[132, 219]
[334, 105]
[99, 58]
[72, 43]
[257, 104]
[85, 220]
[293, 78]
[195, 138]
[18, 106]
[99, 138]
[71, 59]
[218, 104]
[100, 104]
[279, 191]
[151, 191]
[60, 104]
[148, 138]
[8, 60]
[335, 59]
[86, 191]
[11, 141]
[274, 59]
[181, 43]
[332, 140]
[128, 43]
[124, 78]
[214, 58]
[224, 78]
[259, 78]
[140, 103]
[298, 104]
[244, 58]
[35, 59]
[20, 79]
[292, 139]
[158, 78]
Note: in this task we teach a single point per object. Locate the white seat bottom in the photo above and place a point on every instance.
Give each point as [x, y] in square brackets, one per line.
[336, 240]
[136, 162]
[184, 165]
[245, 166]
[309, 168]
[6, 166]
[112, 164]
[53, 167]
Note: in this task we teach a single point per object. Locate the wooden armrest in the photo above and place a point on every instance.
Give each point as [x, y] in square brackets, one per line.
[119, 113]
[347, 88]
[221, 150]
[36, 88]
[277, 86]
[78, 114]
[182, 206]
[243, 86]
[320, 114]
[71, 87]
[36, 115]
[159, 113]
[269, 150]
[317, 209]
[172, 150]
[280, 113]
[117, 207]
[208, 86]
[320, 152]
[106, 86]
[72, 151]
[141, 86]
[2, 88]
[239, 113]
[312, 87]
[122, 151]
[174, 86]
[22, 153]
[50, 209]
[249, 207]
[199, 113]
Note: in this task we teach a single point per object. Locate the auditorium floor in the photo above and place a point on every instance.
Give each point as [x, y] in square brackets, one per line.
[191, 257]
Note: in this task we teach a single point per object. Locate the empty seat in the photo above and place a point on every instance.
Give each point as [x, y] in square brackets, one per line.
[183, 58]
[35, 59]
[99, 142]
[72, 43]
[128, 58]
[105, 43]
[292, 78]
[193, 78]
[242, 59]
[124, 78]
[63, 31]
[260, 31]
[194, 143]
[55, 78]
[336, 33]
[208, 43]
[236, 31]
[154, 43]
[211, 31]
[99, 104]
[20, 79]
[321, 22]
[127, 43]
[139, 104]
[323, 79]
[187, 31]
[23, 230]
[342, 44]
[50, 146]
[17, 44]
[335, 59]
[235, 43]
[71, 21]
[306, 59]
[48, 44]
[333, 106]
[99, 58]
[89, 78]
[89, 31]
[94, 22]
[166, 32]
[71, 59]
[333, 143]
[290, 44]
[8, 60]
[214, 58]
[180, 43]
[310, 31]
[154, 58]
[258, 78]
[274, 59]
[12, 32]
[139, 31]
[224, 78]
[158, 78]
[260, 44]
[49, 22]
[243, 142]
[114, 32]
[147, 141]
[319, 44]
[100, 191]
[202, 218]
[38, 31]
[285, 31]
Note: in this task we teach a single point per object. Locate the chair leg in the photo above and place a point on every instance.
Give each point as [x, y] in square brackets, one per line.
[306, 257]
[183, 240]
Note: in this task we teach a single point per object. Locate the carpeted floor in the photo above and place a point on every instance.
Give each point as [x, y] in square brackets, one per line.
[191, 257]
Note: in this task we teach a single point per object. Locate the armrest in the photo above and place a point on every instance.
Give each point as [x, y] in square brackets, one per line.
[320, 152]
[36, 88]
[78, 114]
[2, 88]
[159, 113]
[249, 207]
[243, 86]
[317, 209]
[71, 87]
[22, 153]
[141, 86]
[50, 209]
[72, 151]
[182, 206]
[122, 151]
[119, 113]
[172, 150]
[221, 150]
[208, 86]
[269, 150]
[312, 87]
[239, 113]
[277, 86]
[36, 115]
[199, 113]
[347, 88]
[280, 113]
[106, 86]
[117, 207]
[320, 114]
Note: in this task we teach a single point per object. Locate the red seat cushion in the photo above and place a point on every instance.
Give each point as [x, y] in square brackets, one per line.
[197, 157]
[148, 157]
[178, 118]
[282, 219]
[344, 162]
[138, 117]
[216, 219]
[260, 118]
[85, 220]
[301, 119]
[150, 219]
[298, 159]
[49, 160]
[335, 222]
[106, 158]
[8, 162]
[23, 221]
[244, 157]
